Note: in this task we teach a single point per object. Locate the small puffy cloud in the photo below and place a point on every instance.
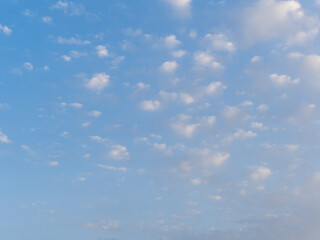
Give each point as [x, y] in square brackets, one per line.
[72, 41]
[257, 125]
[282, 80]
[214, 88]
[160, 146]
[112, 168]
[205, 59]
[102, 51]
[196, 181]
[181, 7]
[203, 160]
[263, 107]
[4, 106]
[7, 31]
[256, 59]
[178, 53]
[183, 126]
[241, 134]
[220, 42]
[234, 113]
[98, 139]
[66, 58]
[65, 134]
[60, 5]
[149, 105]
[171, 41]
[119, 152]
[4, 138]
[95, 113]
[98, 82]
[212, 159]
[69, 8]
[75, 105]
[260, 173]
[28, 66]
[53, 163]
[169, 66]
[216, 198]
[186, 98]
[142, 86]
[47, 19]
[77, 54]
[186, 126]
[86, 124]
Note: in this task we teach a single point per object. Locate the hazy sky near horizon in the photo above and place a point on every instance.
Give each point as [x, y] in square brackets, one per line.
[159, 120]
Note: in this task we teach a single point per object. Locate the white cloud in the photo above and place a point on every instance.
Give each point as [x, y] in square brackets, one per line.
[204, 59]
[233, 113]
[4, 106]
[69, 8]
[257, 125]
[28, 66]
[220, 42]
[106, 226]
[303, 37]
[28, 149]
[60, 5]
[4, 138]
[171, 41]
[260, 173]
[149, 105]
[169, 66]
[203, 160]
[53, 163]
[160, 146]
[214, 88]
[98, 82]
[7, 31]
[47, 19]
[98, 139]
[256, 59]
[95, 113]
[186, 98]
[263, 107]
[86, 124]
[66, 58]
[241, 134]
[142, 86]
[195, 181]
[216, 198]
[76, 54]
[119, 152]
[178, 53]
[102, 51]
[181, 7]
[75, 105]
[282, 80]
[72, 41]
[184, 125]
[212, 159]
[268, 19]
[112, 168]
[308, 66]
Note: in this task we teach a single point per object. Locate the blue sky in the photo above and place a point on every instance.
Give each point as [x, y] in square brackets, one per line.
[159, 120]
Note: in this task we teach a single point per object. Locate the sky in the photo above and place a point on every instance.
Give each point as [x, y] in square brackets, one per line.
[159, 120]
